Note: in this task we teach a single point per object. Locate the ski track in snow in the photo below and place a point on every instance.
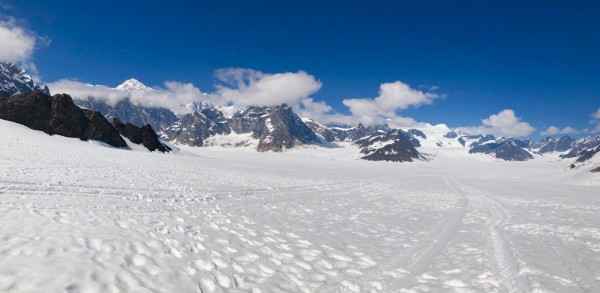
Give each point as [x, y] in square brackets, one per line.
[76, 217]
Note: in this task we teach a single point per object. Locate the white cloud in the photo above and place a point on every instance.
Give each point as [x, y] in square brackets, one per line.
[596, 115]
[246, 87]
[553, 130]
[505, 123]
[393, 97]
[174, 96]
[17, 43]
[321, 112]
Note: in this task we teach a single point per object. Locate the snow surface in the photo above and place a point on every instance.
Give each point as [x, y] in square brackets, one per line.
[80, 217]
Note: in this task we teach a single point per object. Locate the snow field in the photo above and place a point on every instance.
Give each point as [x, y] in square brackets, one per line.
[79, 217]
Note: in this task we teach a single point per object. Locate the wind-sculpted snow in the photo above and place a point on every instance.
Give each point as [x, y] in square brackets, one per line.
[80, 217]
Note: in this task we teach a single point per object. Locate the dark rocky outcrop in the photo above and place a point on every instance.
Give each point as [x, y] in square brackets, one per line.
[58, 115]
[388, 146]
[144, 135]
[595, 170]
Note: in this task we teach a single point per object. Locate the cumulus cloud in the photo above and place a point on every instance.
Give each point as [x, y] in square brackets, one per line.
[596, 121]
[247, 87]
[505, 123]
[321, 112]
[596, 115]
[174, 96]
[553, 130]
[17, 43]
[393, 97]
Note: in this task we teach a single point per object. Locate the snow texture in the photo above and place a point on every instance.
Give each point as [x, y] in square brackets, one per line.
[82, 217]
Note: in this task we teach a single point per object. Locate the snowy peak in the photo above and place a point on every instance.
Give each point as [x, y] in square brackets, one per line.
[133, 84]
[14, 81]
[553, 144]
[388, 146]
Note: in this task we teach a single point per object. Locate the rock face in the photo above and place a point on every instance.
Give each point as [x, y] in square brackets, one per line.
[58, 115]
[275, 128]
[193, 129]
[14, 81]
[327, 134]
[508, 150]
[595, 170]
[124, 110]
[584, 149]
[144, 135]
[388, 146]
[553, 144]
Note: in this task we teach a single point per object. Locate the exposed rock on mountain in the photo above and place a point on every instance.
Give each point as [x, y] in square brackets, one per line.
[508, 150]
[584, 149]
[553, 144]
[124, 110]
[351, 134]
[388, 146]
[144, 135]
[275, 128]
[58, 115]
[14, 81]
[193, 129]
[327, 134]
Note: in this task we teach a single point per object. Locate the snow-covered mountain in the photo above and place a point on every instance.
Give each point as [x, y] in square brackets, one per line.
[553, 144]
[388, 146]
[14, 80]
[124, 110]
[192, 129]
[133, 84]
[584, 149]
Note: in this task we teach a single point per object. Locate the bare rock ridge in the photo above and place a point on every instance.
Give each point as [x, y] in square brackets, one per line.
[58, 115]
[144, 135]
[388, 146]
[192, 129]
[275, 128]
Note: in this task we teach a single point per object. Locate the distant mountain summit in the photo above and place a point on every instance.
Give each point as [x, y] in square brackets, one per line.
[14, 81]
[133, 84]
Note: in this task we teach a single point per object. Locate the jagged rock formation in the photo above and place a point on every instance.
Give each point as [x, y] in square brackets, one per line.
[144, 135]
[58, 115]
[14, 81]
[327, 134]
[388, 146]
[193, 129]
[124, 110]
[275, 128]
[584, 149]
[351, 134]
[553, 144]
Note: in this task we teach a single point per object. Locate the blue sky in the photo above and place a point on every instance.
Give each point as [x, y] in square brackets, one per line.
[536, 58]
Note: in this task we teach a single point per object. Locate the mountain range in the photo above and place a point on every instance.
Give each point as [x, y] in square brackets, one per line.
[277, 128]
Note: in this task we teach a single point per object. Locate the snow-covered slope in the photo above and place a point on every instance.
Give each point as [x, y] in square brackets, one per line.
[81, 217]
